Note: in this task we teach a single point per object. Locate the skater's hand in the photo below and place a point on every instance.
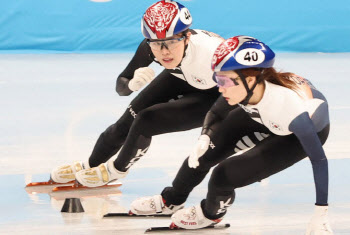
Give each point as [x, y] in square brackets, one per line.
[319, 224]
[199, 149]
[142, 76]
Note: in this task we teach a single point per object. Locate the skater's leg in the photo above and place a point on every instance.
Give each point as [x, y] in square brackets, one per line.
[269, 157]
[162, 89]
[225, 142]
[182, 114]
[165, 116]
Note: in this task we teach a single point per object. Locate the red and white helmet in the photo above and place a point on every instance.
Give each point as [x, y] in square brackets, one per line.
[165, 19]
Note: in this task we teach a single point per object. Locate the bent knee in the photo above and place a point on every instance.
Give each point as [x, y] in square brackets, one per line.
[144, 123]
[226, 177]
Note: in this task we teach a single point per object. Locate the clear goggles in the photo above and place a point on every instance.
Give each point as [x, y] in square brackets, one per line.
[224, 81]
[169, 44]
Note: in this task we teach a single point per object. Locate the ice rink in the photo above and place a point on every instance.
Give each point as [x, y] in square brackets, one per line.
[54, 107]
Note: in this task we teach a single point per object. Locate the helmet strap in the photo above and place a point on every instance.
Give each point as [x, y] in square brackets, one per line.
[154, 58]
[186, 46]
[249, 91]
[183, 55]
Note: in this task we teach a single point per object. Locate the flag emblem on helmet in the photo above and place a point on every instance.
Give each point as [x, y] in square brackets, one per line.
[159, 17]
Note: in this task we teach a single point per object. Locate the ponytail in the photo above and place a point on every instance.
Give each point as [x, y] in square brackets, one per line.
[271, 75]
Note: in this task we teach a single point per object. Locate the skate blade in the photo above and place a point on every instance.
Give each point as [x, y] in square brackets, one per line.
[130, 214]
[44, 187]
[48, 183]
[174, 227]
[81, 187]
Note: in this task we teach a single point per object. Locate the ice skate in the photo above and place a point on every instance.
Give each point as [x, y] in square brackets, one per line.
[192, 218]
[66, 173]
[98, 176]
[153, 205]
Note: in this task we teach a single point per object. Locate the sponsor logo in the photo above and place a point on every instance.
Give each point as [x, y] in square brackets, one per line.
[224, 206]
[211, 34]
[132, 112]
[301, 81]
[245, 108]
[139, 154]
[188, 223]
[297, 79]
[212, 146]
[253, 113]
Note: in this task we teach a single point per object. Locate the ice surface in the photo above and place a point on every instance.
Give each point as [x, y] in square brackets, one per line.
[54, 107]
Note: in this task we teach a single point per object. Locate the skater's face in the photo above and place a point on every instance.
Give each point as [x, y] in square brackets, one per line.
[169, 52]
[233, 91]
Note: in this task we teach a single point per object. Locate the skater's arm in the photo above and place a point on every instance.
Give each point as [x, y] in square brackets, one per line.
[216, 115]
[304, 129]
[142, 58]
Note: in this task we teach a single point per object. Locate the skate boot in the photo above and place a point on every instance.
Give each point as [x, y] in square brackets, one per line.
[153, 205]
[66, 173]
[100, 175]
[192, 218]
